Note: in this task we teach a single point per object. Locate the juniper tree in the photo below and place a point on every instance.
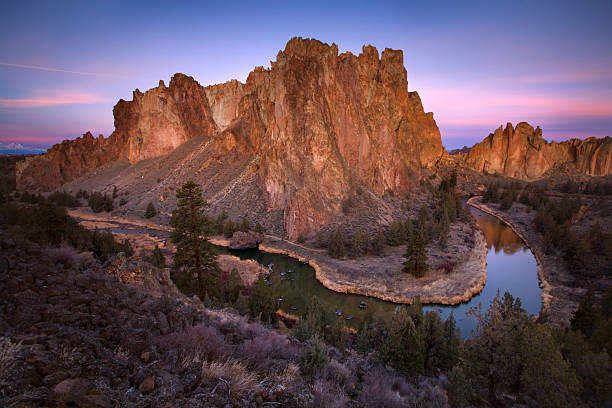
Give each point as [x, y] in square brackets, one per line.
[157, 259]
[150, 212]
[229, 229]
[416, 257]
[403, 346]
[360, 243]
[244, 225]
[336, 244]
[190, 230]
[377, 246]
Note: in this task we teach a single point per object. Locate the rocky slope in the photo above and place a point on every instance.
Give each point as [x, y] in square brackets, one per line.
[523, 153]
[294, 141]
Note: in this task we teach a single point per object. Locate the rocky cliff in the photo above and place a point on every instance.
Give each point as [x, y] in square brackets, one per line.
[307, 131]
[523, 153]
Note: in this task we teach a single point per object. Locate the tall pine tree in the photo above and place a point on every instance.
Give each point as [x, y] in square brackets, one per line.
[194, 255]
[416, 257]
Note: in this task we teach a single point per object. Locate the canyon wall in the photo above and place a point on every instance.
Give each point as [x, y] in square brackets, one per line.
[523, 153]
[313, 127]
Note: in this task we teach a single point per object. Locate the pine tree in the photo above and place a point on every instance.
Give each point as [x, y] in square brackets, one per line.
[336, 244]
[450, 348]
[220, 223]
[244, 225]
[190, 230]
[229, 229]
[150, 212]
[433, 336]
[403, 346]
[259, 229]
[339, 334]
[263, 301]
[378, 243]
[397, 234]
[584, 318]
[416, 257]
[157, 259]
[359, 244]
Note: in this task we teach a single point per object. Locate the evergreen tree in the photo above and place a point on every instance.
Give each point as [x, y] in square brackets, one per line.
[397, 234]
[150, 212]
[314, 358]
[584, 318]
[416, 257]
[190, 230]
[259, 229]
[546, 379]
[403, 346]
[220, 223]
[229, 229]
[339, 335]
[459, 388]
[359, 244]
[336, 244]
[263, 301]
[157, 259]
[377, 246]
[450, 347]
[362, 342]
[316, 316]
[244, 225]
[433, 336]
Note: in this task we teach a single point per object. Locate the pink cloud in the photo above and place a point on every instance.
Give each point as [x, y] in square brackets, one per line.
[66, 98]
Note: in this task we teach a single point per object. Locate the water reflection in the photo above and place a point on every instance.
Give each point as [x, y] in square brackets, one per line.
[499, 236]
[510, 267]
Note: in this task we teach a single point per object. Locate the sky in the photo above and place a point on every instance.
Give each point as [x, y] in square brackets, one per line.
[476, 65]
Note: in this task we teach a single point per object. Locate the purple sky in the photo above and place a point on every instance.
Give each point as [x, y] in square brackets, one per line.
[476, 65]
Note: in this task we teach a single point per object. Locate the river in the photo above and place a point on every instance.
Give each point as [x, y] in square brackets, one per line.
[511, 267]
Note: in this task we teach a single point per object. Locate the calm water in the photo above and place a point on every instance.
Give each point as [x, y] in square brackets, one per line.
[511, 267]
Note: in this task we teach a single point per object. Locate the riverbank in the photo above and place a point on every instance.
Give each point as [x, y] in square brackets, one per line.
[379, 277]
[559, 299]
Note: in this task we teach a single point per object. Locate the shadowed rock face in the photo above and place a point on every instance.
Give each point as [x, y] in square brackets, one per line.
[313, 128]
[523, 153]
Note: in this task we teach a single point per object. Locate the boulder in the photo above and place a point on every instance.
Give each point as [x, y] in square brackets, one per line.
[148, 385]
[246, 240]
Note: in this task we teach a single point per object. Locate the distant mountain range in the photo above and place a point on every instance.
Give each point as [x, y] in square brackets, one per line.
[18, 148]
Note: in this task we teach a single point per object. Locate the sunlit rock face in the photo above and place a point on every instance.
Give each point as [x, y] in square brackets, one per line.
[313, 127]
[523, 153]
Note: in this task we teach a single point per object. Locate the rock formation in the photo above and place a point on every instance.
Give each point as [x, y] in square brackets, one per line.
[307, 131]
[523, 153]
[245, 240]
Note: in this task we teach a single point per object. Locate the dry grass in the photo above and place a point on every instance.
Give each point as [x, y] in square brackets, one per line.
[241, 380]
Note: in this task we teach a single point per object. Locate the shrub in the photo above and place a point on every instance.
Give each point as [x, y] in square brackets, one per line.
[8, 354]
[98, 202]
[268, 352]
[314, 358]
[382, 389]
[241, 381]
[150, 212]
[196, 344]
[157, 258]
[329, 395]
[64, 199]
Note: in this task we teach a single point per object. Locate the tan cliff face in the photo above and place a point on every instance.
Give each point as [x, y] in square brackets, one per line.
[523, 153]
[311, 129]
